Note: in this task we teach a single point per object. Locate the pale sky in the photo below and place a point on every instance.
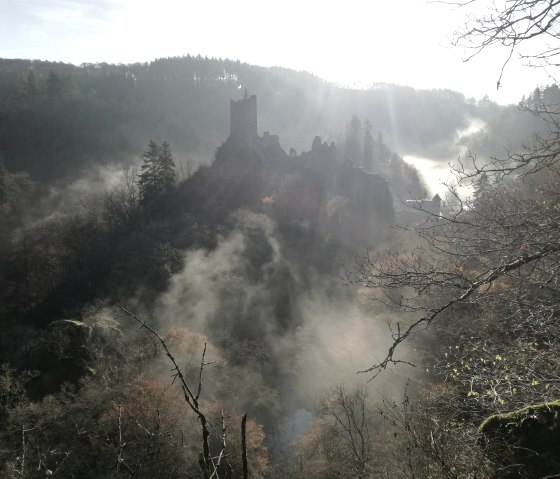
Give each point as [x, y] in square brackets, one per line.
[351, 42]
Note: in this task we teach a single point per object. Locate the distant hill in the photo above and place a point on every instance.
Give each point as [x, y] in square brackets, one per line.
[56, 118]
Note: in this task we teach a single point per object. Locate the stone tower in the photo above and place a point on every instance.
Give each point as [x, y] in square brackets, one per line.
[243, 119]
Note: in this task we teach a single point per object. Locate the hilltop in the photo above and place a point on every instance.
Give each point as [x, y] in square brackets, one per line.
[57, 119]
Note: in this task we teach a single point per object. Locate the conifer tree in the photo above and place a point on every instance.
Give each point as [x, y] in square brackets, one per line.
[30, 85]
[3, 184]
[352, 147]
[54, 84]
[368, 148]
[157, 177]
[166, 167]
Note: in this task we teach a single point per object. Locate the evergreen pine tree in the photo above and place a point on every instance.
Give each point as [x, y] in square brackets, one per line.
[54, 84]
[352, 146]
[157, 176]
[166, 167]
[368, 148]
[30, 85]
[482, 188]
[3, 184]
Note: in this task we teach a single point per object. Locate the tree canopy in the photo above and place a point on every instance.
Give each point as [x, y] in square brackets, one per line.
[157, 173]
[483, 276]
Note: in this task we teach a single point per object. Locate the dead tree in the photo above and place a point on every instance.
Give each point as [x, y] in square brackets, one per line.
[210, 465]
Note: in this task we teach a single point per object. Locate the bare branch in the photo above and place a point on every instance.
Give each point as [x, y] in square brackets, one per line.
[510, 242]
[191, 399]
[511, 24]
[202, 364]
[244, 446]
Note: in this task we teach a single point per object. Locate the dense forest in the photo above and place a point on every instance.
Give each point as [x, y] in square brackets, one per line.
[58, 118]
[197, 256]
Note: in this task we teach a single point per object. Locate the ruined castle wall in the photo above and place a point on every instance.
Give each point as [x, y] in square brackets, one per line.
[243, 118]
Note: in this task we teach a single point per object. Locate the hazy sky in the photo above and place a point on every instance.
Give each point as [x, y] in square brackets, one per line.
[353, 42]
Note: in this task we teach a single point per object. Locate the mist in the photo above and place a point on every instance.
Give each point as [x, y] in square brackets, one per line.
[311, 328]
[226, 206]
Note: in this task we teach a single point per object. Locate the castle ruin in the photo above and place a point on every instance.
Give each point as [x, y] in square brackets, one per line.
[243, 120]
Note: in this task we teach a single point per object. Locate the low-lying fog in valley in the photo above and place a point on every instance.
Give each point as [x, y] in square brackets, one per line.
[214, 269]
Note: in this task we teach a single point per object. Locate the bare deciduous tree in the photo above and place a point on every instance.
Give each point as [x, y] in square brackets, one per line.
[485, 270]
[212, 466]
[498, 248]
[528, 27]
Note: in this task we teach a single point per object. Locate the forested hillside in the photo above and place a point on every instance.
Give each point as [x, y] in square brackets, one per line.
[236, 257]
[58, 118]
[171, 261]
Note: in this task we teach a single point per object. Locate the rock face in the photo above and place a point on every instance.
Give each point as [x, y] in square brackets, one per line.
[526, 441]
[64, 351]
